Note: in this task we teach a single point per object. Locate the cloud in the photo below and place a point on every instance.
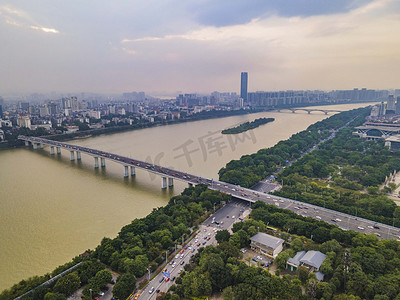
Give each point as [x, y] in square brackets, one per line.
[19, 18]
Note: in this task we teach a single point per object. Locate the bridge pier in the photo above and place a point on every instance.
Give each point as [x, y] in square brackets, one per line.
[34, 145]
[133, 171]
[170, 182]
[309, 111]
[103, 162]
[52, 150]
[293, 111]
[326, 112]
[126, 173]
[72, 155]
[78, 155]
[27, 143]
[96, 162]
[58, 150]
[41, 146]
[163, 182]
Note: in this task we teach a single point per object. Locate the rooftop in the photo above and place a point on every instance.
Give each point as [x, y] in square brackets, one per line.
[268, 240]
[313, 258]
[296, 259]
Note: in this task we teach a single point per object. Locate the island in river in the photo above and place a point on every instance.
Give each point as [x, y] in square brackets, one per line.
[247, 126]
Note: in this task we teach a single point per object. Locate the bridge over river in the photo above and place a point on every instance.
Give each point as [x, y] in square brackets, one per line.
[168, 175]
[309, 110]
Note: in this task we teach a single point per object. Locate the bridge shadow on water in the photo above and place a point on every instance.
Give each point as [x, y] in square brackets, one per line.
[149, 185]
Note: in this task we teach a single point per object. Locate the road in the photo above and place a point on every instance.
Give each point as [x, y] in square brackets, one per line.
[224, 219]
[250, 195]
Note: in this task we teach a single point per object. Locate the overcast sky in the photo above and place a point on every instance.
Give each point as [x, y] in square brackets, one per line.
[169, 46]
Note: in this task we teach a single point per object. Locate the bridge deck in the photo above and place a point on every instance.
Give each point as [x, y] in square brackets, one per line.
[305, 209]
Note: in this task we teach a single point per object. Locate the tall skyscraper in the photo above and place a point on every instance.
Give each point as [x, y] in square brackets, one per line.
[398, 106]
[391, 108]
[243, 86]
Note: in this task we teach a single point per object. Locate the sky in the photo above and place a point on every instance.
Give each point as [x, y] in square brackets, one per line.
[165, 47]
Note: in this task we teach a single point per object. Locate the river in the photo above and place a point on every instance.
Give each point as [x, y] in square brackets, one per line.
[52, 209]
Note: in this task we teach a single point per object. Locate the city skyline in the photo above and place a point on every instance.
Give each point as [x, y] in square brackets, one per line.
[170, 48]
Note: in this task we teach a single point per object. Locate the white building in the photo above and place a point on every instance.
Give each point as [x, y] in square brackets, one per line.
[266, 244]
[24, 122]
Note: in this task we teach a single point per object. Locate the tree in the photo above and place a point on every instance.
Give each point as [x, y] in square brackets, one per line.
[303, 273]
[54, 296]
[68, 284]
[222, 236]
[282, 257]
[101, 279]
[124, 286]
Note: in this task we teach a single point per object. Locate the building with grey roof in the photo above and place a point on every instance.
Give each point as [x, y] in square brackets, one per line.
[266, 244]
[312, 260]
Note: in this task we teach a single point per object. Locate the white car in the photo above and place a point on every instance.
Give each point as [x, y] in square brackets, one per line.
[370, 227]
[233, 217]
[318, 217]
[338, 220]
[361, 228]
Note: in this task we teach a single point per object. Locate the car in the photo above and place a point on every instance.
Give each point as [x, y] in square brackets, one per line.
[361, 228]
[259, 257]
[369, 226]
[318, 217]
[157, 291]
[333, 220]
[233, 217]
[182, 256]
[204, 243]
[101, 294]
[337, 219]
[198, 245]
[254, 259]
[180, 271]
[162, 279]
[208, 239]
[151, 290]
[172, 262]
[377, 234]
[174, 265]
[227, 217]
[266, 265]
[191, 256]
[166, 279]
[182, 251]
[182, 262]
[177, 256]
[243, 250]
[137, 296]
[205, 237]
[376, 226]
[173, 278]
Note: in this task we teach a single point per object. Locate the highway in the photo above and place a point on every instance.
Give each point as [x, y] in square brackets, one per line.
[222, 219]
[344, 221]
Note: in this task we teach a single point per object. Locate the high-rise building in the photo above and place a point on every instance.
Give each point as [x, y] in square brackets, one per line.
[382, 109]
[24, 121]
[390, 109]
[243, 86]
[398, 106]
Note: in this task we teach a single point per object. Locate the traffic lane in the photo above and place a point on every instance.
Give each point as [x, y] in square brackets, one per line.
[347, 222]
[163, 285]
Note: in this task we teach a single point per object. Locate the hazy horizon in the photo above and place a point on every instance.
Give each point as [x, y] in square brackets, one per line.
[170, 47]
